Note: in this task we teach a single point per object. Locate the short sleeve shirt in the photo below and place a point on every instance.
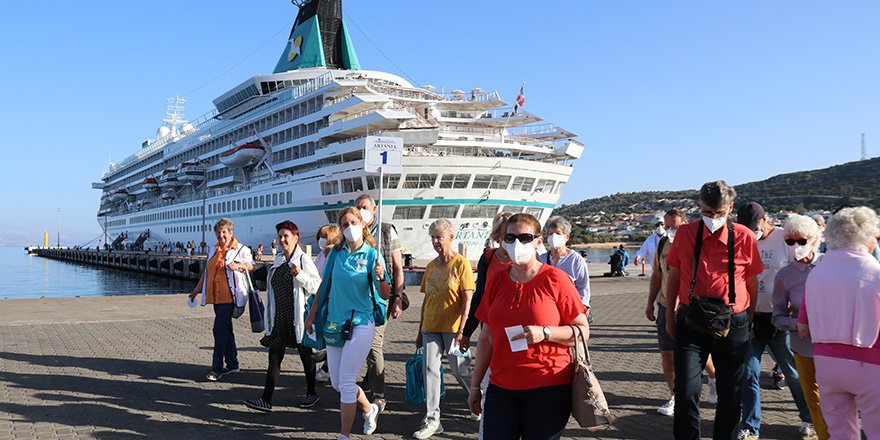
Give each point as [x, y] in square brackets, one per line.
[350, 289]
[711, 281]
[443, 287]
[660, 265]
[548, 299]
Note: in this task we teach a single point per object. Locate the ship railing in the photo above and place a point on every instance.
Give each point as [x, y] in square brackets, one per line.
[208, 125]
[535, 130]
[403, 92]
[472, 97]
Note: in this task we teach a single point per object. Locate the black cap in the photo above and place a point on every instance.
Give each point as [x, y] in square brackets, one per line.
[749, 214]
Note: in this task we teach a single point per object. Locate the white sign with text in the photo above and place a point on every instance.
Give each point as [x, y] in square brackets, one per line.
[383, 152]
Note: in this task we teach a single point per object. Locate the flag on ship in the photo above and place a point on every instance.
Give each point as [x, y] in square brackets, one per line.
[520, 99]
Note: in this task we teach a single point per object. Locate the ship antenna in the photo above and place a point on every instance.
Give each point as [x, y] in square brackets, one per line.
[176, 106]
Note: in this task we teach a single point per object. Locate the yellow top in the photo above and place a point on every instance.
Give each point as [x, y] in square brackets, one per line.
[443, 286]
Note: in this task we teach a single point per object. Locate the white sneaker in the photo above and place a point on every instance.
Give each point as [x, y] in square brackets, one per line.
[428, 429]
[712, 398]
[668, 408]
[745, 434]
[370, 419]
[322, 376]
[807, 430]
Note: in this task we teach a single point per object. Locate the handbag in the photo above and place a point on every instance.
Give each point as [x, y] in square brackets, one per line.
[588, 405]
[316, 344]
[415, 379]
[380, 305]
[256, 309]
[239, 298]
[712, 316]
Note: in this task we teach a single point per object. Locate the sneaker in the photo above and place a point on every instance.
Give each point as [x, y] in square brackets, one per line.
[258, 404]
[779, 380]
[668, 408]
[713, 393]
[745, 434]
[322, 376]
[807, 430]
[214, 376]
[370, 419]
[308, 401]
[380, 402]
[230, 371]
[428, 429]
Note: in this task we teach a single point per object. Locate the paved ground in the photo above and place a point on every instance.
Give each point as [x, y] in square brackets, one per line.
[134, 367]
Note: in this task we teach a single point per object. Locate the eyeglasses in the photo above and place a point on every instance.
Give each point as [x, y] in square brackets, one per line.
[800, 241]
[523, 238]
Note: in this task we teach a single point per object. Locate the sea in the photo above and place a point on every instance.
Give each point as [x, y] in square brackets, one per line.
[30, 276]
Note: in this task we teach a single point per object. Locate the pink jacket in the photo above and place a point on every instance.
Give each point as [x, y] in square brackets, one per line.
[842, 299]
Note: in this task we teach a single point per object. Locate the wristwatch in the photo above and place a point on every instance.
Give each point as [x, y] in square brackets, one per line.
[546, 333]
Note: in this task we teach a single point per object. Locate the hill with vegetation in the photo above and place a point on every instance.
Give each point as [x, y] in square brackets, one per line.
[852, 183]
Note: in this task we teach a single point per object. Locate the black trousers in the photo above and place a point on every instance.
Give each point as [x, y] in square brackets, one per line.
[535, 414]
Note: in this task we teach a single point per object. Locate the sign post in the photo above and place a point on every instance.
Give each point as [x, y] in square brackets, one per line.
[382, 154]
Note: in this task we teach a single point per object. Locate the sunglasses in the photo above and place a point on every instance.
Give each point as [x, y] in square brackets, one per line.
[791, 241]
[523, 238]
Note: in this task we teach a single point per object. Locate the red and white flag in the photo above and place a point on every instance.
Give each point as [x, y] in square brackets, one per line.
[520, 99]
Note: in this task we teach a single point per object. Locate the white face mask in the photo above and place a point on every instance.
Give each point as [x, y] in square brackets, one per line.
[520, 253]
[367, 216]
[671, 234]
[801, 252]
[322, 242]
[714, 224]
[353, 233]
[659, 230]
[758, 234]
[556, 241]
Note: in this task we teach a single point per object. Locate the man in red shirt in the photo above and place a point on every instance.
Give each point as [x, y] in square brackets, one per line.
[709, 278]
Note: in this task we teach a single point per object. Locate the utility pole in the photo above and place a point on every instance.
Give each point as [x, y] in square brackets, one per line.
[864, 148]
[58, 218]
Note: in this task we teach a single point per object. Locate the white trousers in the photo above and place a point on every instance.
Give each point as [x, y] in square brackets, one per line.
[345, 363]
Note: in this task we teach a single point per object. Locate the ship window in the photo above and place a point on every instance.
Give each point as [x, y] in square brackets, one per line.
[559, 187]
[512, 209]
[535, 212]
[454, 181]
[443, 211]
[479, 211]
[262, 201]
[210, 209]
[238, 204]
[544, 186]
[522, 184]
[289, 198]
[409, 213]
[354, 184]
[274, 199]
[329, 187]
[256, 203]
[414, 181]
[332, 215]
[491, 181]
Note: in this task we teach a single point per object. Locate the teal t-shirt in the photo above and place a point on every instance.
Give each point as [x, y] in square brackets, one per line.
[349, 289]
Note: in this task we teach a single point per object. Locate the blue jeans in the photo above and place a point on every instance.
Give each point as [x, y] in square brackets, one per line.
[224, 339]
[692, 348]
[751, 395]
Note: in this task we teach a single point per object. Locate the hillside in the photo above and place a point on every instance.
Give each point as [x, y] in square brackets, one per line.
[854, 183]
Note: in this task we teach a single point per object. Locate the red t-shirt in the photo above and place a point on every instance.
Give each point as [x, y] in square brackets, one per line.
[712, 268]
[548, 299]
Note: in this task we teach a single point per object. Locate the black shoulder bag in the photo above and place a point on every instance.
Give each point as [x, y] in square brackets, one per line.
[712, 316]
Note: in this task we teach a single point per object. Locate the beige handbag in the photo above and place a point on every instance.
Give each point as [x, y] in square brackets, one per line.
[588, 404]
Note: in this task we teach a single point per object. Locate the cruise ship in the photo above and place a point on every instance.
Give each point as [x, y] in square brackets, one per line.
[290, 145]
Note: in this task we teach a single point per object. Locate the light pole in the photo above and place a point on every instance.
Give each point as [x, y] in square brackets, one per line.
[58, 218]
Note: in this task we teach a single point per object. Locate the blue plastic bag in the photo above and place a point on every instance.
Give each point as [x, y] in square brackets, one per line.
[320, 317]
[415, 379]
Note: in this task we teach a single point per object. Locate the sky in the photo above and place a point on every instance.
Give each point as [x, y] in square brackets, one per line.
[664, 95]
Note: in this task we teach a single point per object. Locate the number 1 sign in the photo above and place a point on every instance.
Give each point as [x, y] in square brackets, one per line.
[383, 152]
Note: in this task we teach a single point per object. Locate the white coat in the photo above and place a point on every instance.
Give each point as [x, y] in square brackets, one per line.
[304, 284]
[237, 280]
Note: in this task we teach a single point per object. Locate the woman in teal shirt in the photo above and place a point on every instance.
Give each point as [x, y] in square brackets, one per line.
[350, 268]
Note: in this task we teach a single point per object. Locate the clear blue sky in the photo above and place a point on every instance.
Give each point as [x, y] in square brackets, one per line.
[665, 95]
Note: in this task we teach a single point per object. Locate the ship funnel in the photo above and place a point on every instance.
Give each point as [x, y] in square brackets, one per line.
[319, 38]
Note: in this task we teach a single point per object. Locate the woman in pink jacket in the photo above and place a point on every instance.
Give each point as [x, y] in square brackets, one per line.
[841, 312]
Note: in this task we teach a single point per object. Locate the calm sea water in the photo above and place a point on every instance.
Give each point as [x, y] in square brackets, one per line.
[30, 276]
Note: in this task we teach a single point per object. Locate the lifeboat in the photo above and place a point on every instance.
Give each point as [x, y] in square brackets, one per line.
[191, 172]
[169, 178]
[120, 195]
[243, 155]
[151, 184]
[169, 194]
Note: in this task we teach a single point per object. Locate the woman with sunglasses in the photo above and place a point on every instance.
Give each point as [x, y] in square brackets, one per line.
[526, 314]
[803, 237]
[841, 313]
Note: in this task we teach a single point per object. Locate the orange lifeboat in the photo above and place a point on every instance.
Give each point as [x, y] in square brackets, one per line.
[243, 155]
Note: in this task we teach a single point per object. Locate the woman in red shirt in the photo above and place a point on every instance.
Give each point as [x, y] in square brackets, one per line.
[526, 312]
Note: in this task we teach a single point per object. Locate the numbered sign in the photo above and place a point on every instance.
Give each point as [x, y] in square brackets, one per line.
[383, 152]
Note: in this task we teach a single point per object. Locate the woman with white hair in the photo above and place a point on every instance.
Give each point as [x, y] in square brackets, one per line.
[448, 283]
[803, 236]
[558, 232]
[841, 312]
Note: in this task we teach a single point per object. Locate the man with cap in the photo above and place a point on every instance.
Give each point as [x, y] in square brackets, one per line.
[649, 247]
[775, 255]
